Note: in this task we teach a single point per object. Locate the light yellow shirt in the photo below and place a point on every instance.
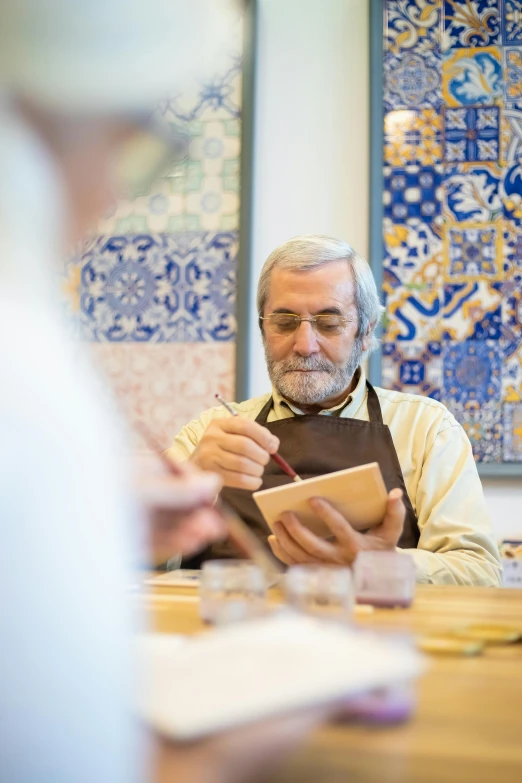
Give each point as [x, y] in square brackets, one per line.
[456, 544]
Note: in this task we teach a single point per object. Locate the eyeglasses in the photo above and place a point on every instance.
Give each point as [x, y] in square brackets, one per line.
[286, 323]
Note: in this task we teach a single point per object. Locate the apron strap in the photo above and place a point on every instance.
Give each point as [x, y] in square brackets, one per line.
[374, 407]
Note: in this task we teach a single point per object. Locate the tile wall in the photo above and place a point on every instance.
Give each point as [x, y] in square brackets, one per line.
[153, 292]
[453, 212]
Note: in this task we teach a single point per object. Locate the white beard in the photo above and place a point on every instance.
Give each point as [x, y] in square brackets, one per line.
[312, 388]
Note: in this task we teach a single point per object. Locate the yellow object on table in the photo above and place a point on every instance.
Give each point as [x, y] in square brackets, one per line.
[468, 725]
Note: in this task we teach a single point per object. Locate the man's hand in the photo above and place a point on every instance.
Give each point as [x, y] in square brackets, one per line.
[293, 543]
[179, 508]
[237, 449]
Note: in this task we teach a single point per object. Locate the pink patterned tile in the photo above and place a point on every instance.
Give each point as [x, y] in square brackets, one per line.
[166, 385]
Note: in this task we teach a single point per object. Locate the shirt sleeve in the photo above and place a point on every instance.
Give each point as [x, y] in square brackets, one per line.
[456, 544]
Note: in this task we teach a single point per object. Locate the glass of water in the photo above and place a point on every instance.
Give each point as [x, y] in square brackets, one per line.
[323, 591]
[231, 590]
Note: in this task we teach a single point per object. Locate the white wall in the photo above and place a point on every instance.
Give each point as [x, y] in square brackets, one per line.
[311, 132]
[311, 168]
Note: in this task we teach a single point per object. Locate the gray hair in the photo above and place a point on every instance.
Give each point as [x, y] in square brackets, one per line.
[312, 251]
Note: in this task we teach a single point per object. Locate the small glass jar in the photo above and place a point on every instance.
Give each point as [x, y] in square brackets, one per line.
[384, 579]
[322, 591]
[231, 591]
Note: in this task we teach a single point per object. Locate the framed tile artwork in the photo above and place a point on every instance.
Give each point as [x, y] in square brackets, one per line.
[446, 174]
[153, 290]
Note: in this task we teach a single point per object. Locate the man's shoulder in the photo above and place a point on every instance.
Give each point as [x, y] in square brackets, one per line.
[415, 406]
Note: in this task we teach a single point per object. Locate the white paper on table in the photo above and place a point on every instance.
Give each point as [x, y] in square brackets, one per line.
[252, 670]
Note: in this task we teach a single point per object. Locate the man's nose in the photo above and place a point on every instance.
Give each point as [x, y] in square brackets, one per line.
[305, 339]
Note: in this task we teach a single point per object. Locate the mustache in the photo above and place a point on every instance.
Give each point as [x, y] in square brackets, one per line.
[295, 363]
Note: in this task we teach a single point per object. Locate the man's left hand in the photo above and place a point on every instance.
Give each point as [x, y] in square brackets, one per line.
[294, 544]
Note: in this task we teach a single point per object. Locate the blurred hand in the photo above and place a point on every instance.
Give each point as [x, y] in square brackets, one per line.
[293, 543]
[181, 516]
[237, 449]
[245, 754]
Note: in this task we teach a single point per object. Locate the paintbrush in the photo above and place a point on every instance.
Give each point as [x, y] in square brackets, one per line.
[278, 459]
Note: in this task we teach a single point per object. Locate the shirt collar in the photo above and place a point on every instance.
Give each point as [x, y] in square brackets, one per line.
[352, 402]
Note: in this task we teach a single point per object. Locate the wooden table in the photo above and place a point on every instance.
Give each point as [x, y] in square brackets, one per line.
[468, 726]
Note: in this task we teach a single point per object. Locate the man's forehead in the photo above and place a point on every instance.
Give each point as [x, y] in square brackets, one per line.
[325, 286]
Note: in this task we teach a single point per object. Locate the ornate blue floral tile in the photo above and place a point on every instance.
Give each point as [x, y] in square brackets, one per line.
[512, 309]
[473, 251]
[511, 188]
[218, 97]
[512, 22]
[159, 288]
[512, 432]
[472, 311]
[413, 367]
[513, 74]
[472, 372]
[472, 76]
[413, 252]
[412, 26]
[471, 23]
[472, 134]
[471, 193]
[412, 192]
[412, 80]
[483, 426]
[511, 135]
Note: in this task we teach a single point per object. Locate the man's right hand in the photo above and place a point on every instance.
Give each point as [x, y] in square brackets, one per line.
[237, 449]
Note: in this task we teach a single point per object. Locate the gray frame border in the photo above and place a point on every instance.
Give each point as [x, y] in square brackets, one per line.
[510, 470]
[244, 267]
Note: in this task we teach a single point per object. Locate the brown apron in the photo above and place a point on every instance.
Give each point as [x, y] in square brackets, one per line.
[314, 445]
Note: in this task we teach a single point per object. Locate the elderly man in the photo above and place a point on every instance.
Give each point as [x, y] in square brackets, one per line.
[318, 310]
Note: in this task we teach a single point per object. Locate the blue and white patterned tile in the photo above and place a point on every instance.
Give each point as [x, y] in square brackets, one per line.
[472, 311]
[413, 367]
[159, 288]
[412, 309]
[511, 190]
[412, 80]
[470, 23]
[512, 432]
[472, 372]
[483, 426]
[472, 134]
[414, 25]
[512, 56]
[145, 214]
[413, 252]
[512, 375]
[412, 192]
[472, 76]
[471, 193]
[473, 251]
[512, 309]
[512, 251]
[511, 135]
[512, 23]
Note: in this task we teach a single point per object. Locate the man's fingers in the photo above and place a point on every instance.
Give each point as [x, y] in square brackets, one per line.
[296, 552]
[315, 547]
[236, 463]
[246, 447]
[236, 425]
[394, 516]
[236, 480]
[279, 552]
[346, 536]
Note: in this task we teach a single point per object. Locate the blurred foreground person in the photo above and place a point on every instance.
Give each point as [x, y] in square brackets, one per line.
[78, 80]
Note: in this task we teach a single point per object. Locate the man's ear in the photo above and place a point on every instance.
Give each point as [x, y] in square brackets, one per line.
[367, 339]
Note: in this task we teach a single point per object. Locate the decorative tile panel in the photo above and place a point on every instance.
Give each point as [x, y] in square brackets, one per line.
[412, 137]
[471, 23]
[413, 367]
[412, 80]
[412, 192]
[472, 251]
[472, 135]
[472, 76]
[472, 311]
[164, 386]
[513, 75]
[472, 372]
[512, 22]
[471, 193]
[511, 188]
[511, 135]
[513, 432]
[159, 288]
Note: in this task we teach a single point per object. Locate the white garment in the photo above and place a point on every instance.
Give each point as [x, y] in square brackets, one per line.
[65, 666]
